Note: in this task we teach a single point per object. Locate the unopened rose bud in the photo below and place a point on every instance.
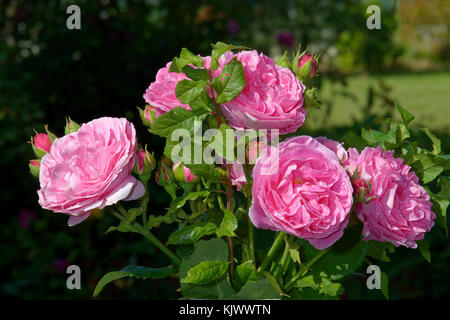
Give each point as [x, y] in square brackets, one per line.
[71, 126]
[254, 150]
[307, 66]
[182, 173]
[41, 144]
[145, 163]
[164, 176]
[35, 167]
[148, 115]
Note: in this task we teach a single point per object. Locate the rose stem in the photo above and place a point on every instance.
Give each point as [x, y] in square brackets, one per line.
[273, 250]
[306, 267]
[146, 234]
[251, 234]
[283, 260]
[230, 241]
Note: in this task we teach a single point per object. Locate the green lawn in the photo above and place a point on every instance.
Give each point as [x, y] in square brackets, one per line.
[426, 95]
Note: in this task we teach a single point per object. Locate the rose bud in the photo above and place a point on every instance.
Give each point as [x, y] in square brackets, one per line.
[41, 144]
[164, 176]
[145, 163]
[307, 66]
[71, 126]
[148, 115]
[35, 167]
[182, 173]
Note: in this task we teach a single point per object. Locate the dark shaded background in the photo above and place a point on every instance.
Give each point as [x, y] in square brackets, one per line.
[48, 72]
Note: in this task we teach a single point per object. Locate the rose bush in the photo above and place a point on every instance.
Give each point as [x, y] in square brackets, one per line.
[333, 207]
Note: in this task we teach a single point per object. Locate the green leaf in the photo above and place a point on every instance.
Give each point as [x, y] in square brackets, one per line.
[176, 118]
[243, 272]
[424, 249]
[232, 81]
[345, 257]
[205, 272]
[186, 58]
[155, 221]
[330, 288]
[206, 250]
[436, 142]
[190, 234]
[379, 250]
[256, 290]
[132, 271]
[440, 205]
[307, 282]
[373, 137]
[407, 117]
[428, 167]
[228, 225]
[196, 74]
[219, 49]
[181, 201]
[188, 91]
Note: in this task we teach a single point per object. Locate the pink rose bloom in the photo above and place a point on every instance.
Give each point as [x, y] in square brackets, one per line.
[90, 169]
[271, 99]
[309, 196]
[161, 93]
[334, 146]
[401, 210]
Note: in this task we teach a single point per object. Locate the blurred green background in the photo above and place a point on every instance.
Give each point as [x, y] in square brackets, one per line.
[48, 72]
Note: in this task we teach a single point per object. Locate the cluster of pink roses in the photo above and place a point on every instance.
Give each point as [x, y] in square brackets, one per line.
[310, 195]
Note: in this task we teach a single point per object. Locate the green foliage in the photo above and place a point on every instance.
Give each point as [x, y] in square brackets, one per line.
[192, 233]
[132, 271]
[228, 226]
[345, 257]
[205, 272]
[230, 82]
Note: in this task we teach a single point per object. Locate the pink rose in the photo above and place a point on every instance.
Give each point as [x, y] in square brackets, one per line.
[334, 146]
[309, 196]
[161, 93]
[271, 99]
[90, 169]
[401, 210]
